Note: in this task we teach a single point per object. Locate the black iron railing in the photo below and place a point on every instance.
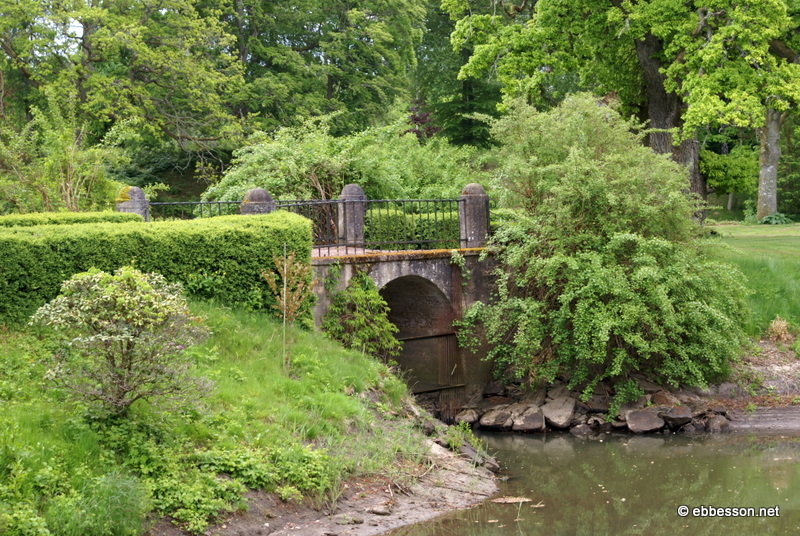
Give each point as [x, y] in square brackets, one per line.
[350, 227]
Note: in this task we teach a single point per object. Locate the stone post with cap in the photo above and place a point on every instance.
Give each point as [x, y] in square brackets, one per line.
[257, 201]
[473, 216]
[352, 213]
[132, 199]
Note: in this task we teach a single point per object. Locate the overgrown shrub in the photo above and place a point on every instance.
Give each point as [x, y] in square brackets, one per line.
[358, 318]
[216, 258]
[601, 274]
[307, 162]
[124, 338]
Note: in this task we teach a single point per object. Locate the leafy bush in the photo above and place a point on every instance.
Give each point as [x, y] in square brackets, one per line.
[308, 162]
[734, 172]
[500, 216]
[358, 318]
[217, 258]
[390, 226]
[776, 218]
[125, 335]
[601, 273]
[443, 229]
[66, 218]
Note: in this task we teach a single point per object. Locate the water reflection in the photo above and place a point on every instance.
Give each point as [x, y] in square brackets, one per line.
[634, 485]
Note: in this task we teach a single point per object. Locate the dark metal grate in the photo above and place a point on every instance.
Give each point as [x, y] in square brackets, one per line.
[388, 224]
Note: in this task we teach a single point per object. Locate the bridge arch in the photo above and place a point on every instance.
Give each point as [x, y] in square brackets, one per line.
[424, 317]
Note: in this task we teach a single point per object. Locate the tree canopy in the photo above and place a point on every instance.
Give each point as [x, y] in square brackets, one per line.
[680, 65]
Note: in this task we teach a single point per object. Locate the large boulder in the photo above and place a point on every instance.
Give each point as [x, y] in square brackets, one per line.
[663, 398]
[677, 416]
[641, 421]
[532, 420]
[469, 416]
[598, 403]
[558, 412]
[499, 418]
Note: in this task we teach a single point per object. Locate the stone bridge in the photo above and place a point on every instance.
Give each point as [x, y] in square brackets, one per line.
[426, 290]
[424, 256]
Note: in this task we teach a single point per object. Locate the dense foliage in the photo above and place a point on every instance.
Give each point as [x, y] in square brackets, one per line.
[601, 273]
[358, 318]
[220, 258]
[680, 65]
[65, 218]
[308, 162]
[124, 337]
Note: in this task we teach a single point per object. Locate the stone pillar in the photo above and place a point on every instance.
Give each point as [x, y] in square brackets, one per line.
[257, 201]
[352, 213]
[473, 216]
[132, 199]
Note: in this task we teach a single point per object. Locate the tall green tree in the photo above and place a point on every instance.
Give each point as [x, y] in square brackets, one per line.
[680, 65]
[452, 101]
[316, 57]
[158, 61]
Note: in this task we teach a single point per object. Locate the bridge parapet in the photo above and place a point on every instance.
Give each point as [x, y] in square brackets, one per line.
[353, 224]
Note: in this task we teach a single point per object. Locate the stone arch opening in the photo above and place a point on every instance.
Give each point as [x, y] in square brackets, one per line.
[424, 317]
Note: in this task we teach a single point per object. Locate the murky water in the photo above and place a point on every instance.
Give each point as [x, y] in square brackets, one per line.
[636, 485]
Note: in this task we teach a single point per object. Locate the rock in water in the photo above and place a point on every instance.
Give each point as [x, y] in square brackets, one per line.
[532, 420]
[497, 419]
[558, 412]
[677, 416]
[717, 423]
[643, 420]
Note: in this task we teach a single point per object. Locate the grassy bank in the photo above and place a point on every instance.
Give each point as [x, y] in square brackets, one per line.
[769, 256]
[299, 433]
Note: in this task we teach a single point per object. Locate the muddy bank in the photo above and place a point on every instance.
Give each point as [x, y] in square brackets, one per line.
[366, 508]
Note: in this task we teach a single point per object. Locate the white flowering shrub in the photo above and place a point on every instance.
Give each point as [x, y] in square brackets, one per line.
[124, 336]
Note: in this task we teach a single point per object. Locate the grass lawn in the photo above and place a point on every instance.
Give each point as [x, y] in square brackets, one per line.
[769, 256]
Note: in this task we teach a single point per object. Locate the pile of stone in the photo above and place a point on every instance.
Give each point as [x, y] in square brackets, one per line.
[558, 408]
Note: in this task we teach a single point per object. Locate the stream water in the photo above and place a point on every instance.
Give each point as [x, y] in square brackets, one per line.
[626, 485]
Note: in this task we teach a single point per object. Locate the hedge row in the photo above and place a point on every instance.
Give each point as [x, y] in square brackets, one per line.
[396, 227]
[499, 217]
[66, 218]
[220, 258]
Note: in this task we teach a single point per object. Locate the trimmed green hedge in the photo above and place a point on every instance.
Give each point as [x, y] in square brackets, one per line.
[66, 218]
[501, 216]
[389, 225]
[218, 258]
[441, 226]
[395, 226]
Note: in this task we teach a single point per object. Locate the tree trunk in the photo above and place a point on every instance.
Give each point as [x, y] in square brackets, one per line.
[664, 113]
[768, 157]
